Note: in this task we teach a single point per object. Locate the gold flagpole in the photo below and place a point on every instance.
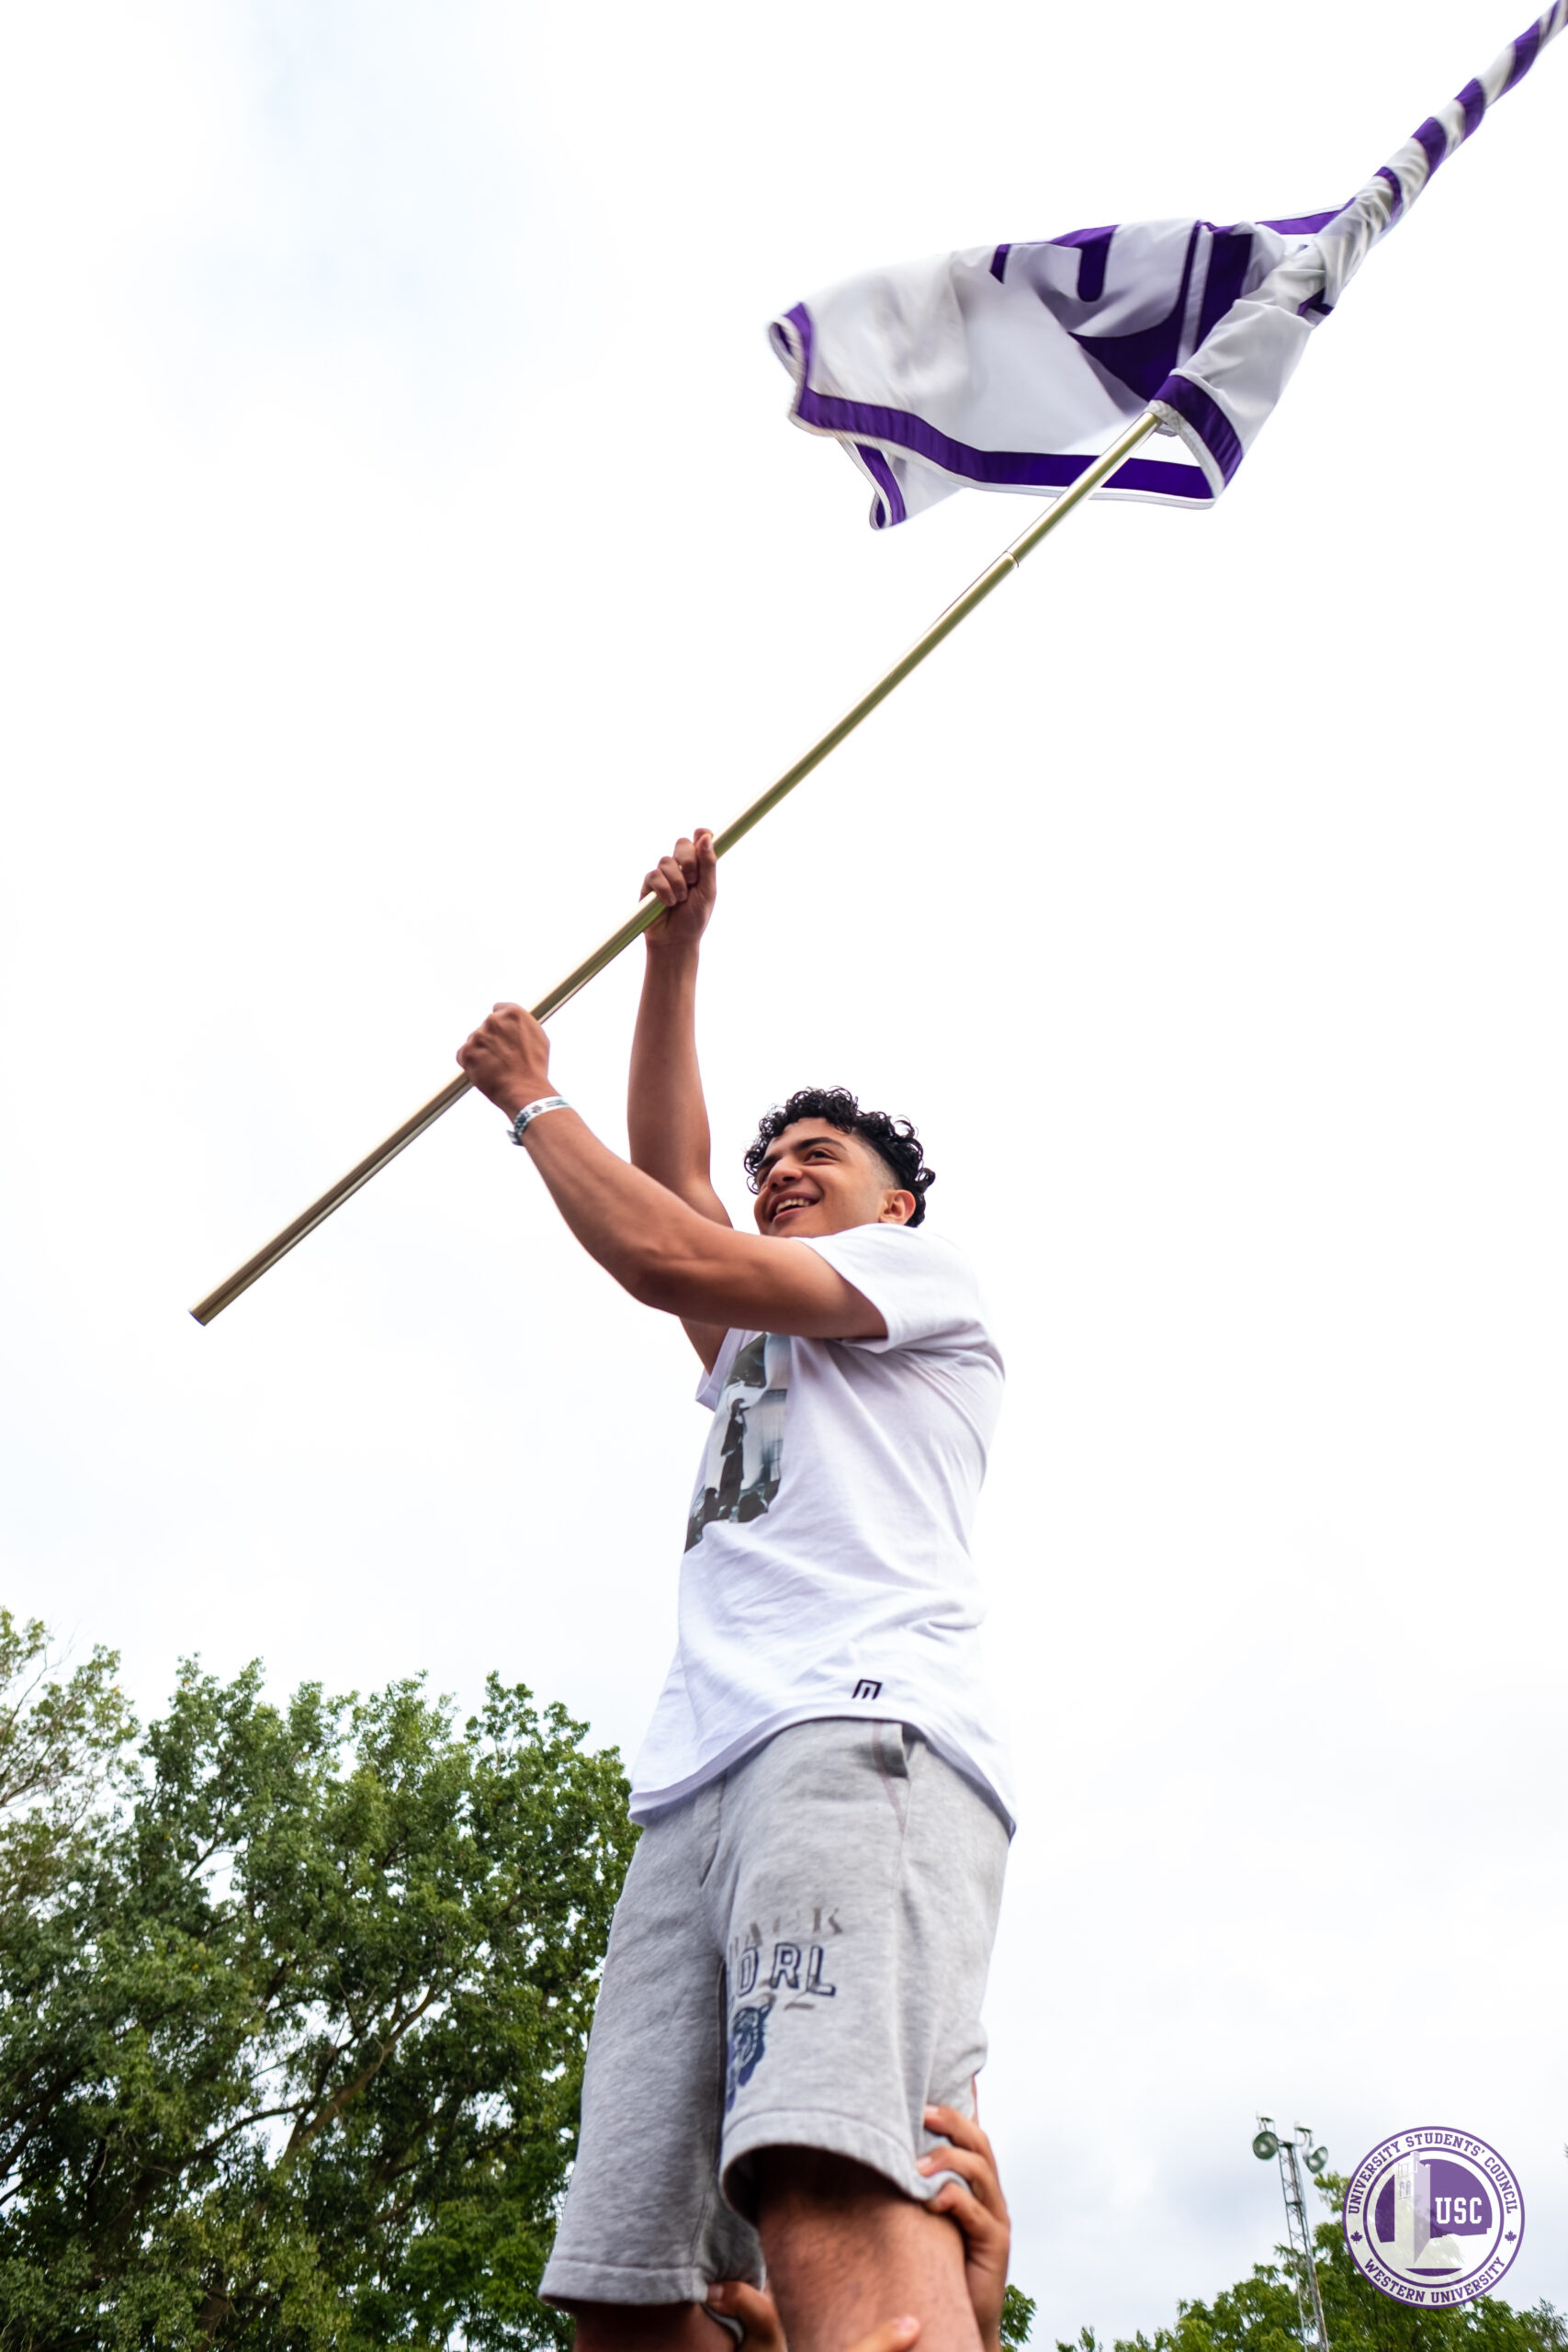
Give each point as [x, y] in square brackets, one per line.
[634, 925]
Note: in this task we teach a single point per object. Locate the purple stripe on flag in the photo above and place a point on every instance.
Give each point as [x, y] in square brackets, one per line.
[1094, 252]
[1000, 263]
[1382, 172]
[800, 320]
[1156, 476]
[859, 421]
[998, 469]
[1524, 56]
[882, 475]
[1207, 419]
[1143, 358]
[1228, 261]
[1472, 99]
[1431, 135]
[1300, 225]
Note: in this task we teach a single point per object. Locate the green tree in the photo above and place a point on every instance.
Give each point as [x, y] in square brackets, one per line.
[1018, 2318]
[291, 2042]
[1259, 2315]
[60, 1742]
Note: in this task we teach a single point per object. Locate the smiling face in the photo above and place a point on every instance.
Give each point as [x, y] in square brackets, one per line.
[816, 1179]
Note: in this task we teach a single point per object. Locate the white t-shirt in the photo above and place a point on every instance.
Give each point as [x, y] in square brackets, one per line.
[827, 1569]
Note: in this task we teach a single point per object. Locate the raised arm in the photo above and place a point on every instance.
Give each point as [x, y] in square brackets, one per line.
[667, 1119]
[666, 1254]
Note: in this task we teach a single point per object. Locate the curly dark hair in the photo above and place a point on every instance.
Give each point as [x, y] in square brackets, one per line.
[894, 1141]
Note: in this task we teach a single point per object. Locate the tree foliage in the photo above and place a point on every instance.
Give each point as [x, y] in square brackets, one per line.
[1018, 2318]
[1259, 2315]
[58, 1745]
[291, 2034]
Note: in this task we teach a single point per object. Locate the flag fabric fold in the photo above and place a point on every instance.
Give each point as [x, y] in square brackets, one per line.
[1008, 366]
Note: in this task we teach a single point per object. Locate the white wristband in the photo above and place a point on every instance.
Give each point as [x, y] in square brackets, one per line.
[532, 1111]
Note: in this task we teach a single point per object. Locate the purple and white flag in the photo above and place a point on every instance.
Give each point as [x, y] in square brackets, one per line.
[1008, 366]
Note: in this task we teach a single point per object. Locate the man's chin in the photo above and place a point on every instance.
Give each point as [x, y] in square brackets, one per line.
[811, 1225]
[802, 1222]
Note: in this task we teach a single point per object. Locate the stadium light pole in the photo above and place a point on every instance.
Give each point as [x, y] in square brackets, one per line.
[1294, 2152]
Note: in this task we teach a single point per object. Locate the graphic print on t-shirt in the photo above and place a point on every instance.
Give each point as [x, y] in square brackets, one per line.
[744, 1457]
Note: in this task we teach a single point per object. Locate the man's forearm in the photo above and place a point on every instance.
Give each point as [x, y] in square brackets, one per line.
[673, 1257]
[626, 1218]
[667, 1120]
[667, 1253]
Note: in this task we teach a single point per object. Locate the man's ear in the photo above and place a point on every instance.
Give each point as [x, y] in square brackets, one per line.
[898, 1208]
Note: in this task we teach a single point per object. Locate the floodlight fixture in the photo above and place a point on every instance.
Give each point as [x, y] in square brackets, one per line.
[1264, 2146]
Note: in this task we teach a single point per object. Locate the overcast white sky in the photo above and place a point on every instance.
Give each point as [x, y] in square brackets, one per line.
[402, 542]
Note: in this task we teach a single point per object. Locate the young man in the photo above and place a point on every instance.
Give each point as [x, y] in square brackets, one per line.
[798, 1961]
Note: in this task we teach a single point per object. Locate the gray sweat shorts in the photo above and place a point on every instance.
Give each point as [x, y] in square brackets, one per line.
[797, 1959]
